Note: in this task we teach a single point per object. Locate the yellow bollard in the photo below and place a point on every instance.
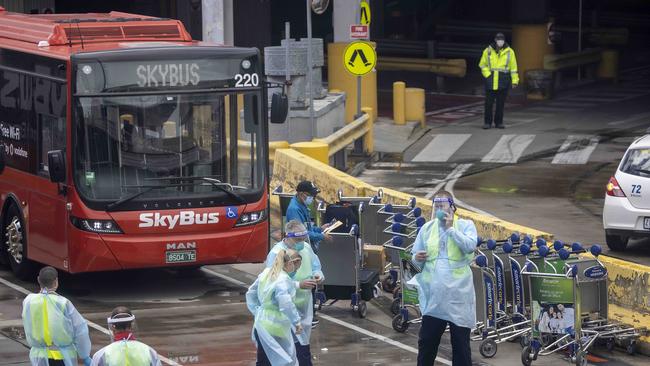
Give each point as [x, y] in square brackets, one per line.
[339, 78]
[608, 68]
[399, 93]
[414, 105]
[530, 43]
[314, 149]
[369, 139]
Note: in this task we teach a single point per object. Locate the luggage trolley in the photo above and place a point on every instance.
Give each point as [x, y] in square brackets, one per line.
[384, 235]
[404, 229]
[408, 295]
[568, 299]
[344, 278]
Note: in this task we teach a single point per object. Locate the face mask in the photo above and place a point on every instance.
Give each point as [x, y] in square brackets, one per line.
[299, 246]
[309, 200]
[292, 274]
[500, 43]
[440, 214]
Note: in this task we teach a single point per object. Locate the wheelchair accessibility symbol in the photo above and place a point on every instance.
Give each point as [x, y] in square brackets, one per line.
[231, 212]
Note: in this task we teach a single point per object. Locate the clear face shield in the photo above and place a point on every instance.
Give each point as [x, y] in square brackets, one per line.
[441, 207]
[117, 323]
[297, 239]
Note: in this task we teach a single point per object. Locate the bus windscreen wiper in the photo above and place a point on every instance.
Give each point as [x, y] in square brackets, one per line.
[213, 181]
[220, 186]
[112, 206]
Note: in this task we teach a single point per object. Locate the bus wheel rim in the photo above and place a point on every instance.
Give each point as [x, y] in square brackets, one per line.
[14, 234]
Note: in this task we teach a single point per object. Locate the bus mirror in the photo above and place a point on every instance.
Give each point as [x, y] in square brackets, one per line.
[250, 113]
[2, 159]
[56, 165]
[279, 108]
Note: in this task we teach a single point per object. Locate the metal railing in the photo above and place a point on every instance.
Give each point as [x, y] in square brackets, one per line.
[347, 135]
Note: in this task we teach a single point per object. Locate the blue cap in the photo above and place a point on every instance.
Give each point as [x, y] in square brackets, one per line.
[576, 247]
[491, 244]
[540, 242]
[398, 217]
[564, 254]
[396, 227]
[481, 261]
[417, 212]
[420, 221]
[543, 251]
[596, 250]
[514, 238]
[558, 244]
[507, 247]
[524, 249]
[398, 241]
[388, 207]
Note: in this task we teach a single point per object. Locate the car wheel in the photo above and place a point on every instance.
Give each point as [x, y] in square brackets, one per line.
[616, 243]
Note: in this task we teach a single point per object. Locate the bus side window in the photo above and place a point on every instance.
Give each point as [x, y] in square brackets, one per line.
[51, 136]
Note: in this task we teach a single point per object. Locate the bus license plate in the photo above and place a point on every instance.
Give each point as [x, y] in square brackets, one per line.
[186, 256]
[646, 223]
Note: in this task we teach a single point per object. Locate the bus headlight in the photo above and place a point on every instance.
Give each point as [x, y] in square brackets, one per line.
[96, 226]
[251, 218]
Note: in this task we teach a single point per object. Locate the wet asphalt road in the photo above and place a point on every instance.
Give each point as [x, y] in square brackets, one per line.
[199, 318]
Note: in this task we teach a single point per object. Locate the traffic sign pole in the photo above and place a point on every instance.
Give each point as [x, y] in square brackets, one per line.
[358, 97]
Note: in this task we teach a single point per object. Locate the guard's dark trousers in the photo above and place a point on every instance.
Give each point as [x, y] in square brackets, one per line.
[430, 333]
[304, 354]
[262, 359]
[500, 97]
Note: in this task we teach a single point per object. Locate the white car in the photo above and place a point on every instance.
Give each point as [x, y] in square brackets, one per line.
[626, 213]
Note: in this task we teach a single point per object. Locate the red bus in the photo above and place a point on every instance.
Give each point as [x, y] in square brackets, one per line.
[129, 145]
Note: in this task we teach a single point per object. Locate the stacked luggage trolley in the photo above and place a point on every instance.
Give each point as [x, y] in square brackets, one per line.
[557, 300]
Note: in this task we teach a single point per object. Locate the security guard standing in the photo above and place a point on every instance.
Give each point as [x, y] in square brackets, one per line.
[499, 68]
[54, 329]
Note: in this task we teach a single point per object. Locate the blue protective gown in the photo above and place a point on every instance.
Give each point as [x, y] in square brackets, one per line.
[271, 303]
[304, 302]
[52, 324]
[445, 294]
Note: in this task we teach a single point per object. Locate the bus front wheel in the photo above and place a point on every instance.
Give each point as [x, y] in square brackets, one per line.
[15, 245]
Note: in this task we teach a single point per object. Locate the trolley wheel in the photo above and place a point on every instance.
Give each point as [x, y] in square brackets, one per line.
[388, 284]
[395, 306]
[526, 358]
[488, 348]
[400, 324]
[362, 309]
[524, 341]
[581, 359]
[397, 291]
[610, 343]
[631, 348]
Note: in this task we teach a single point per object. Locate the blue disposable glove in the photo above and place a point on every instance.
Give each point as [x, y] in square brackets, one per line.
[87, 361]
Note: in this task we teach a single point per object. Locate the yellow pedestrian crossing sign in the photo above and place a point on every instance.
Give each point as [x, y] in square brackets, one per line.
[364, 14]
[359, 58]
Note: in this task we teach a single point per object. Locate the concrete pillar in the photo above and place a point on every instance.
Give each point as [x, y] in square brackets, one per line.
[346, 12]
[218, 21]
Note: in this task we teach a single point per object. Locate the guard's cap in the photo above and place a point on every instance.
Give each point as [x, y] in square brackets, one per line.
[307, 187]
[500, 36]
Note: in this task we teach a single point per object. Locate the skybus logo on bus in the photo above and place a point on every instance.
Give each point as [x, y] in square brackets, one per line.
[155, 219]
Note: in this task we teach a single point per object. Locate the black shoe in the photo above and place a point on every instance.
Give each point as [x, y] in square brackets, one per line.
[315, 322]
[501, 127]
[486, 127]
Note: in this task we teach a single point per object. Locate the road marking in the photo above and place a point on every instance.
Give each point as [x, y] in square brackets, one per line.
[553, 110]
[441, 148]
[392, 164]
[566, 103]
[576, 149]
[378, 336]
[632, 118]
[343, 323]
[449, 187]
[456, 108]
[508, 149]
[90, 323]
